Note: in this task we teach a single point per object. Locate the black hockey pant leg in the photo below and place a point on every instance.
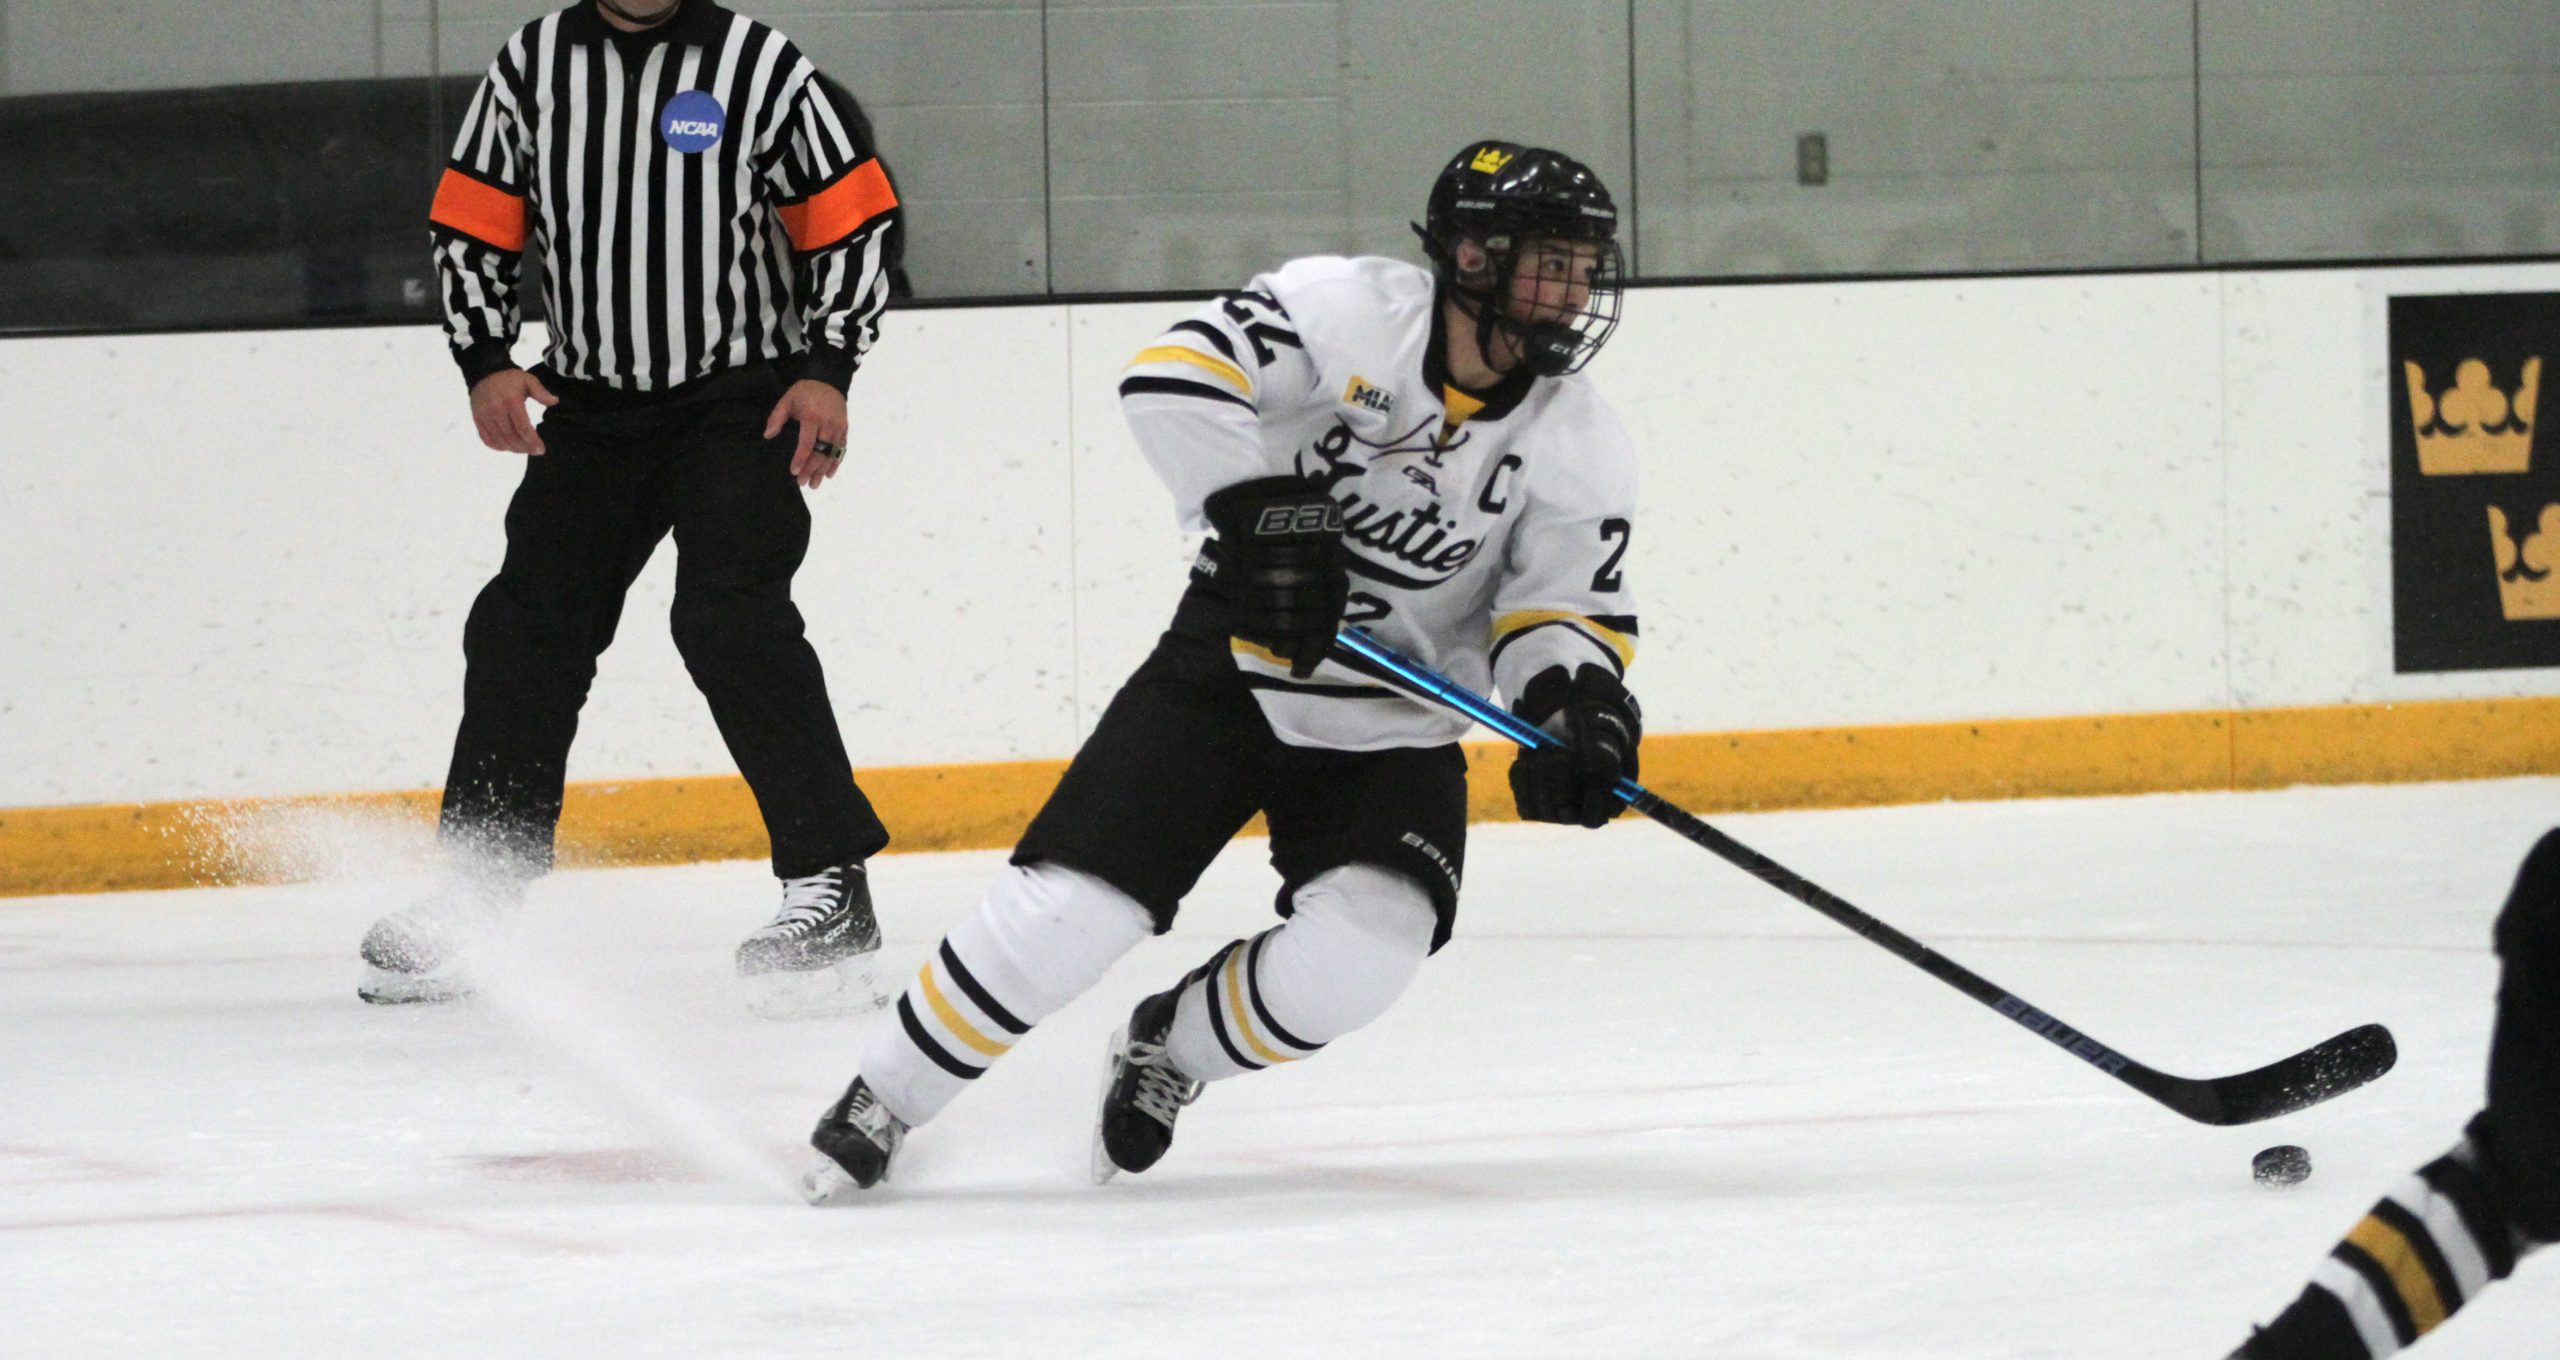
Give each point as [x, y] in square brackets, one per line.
[2519, 1132]
[1179, 762]
[581, 526]
[742, 529]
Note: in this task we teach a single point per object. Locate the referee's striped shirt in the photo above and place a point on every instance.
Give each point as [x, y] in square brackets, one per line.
[699, 196]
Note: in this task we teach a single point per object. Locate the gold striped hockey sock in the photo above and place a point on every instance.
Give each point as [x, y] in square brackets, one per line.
[1043, 934]
[2430, 1246]
[1228, 990]
[1357, 936]
[953, 1020]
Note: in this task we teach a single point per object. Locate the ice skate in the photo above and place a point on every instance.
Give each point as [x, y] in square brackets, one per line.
[419, 953]
[1142, 1094]
[817, 956]
[860, 1139]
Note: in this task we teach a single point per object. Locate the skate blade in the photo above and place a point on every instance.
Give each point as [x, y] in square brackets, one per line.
[1103, 1168]
[826, 1186]
[845, 988]
[385, 987]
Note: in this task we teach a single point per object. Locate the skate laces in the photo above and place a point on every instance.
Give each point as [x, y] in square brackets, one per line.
[806, 902]
[865, 1112]
[1162, 1089]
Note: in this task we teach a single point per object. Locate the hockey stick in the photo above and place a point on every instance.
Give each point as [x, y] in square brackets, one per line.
[2318, 1073]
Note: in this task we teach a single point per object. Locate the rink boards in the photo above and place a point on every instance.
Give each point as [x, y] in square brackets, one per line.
[1900, 540]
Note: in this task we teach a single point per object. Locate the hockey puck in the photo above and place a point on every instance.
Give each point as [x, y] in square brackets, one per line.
[2282, 1165]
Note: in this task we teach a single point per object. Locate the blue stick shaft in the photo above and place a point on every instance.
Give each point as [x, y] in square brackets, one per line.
[1466, 701]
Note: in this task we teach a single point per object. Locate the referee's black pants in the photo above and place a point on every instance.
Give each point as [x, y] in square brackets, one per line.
[590, 511]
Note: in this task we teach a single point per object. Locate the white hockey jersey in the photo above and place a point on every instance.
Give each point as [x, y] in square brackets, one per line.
[1488, 533]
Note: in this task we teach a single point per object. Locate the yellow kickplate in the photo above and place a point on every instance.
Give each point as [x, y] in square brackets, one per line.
[121, 847]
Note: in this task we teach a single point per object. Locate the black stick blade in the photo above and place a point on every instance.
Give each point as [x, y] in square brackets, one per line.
[2318, 1073]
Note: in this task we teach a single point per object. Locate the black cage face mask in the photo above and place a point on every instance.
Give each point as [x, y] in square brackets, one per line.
[1525, 297]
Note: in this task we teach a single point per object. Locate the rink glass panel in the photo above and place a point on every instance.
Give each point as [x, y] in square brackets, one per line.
[167, 164]
[2374, 130]
[1195, 144]
[1953, 135]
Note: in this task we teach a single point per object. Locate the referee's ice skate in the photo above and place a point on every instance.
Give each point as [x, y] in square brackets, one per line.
[420, 952]
[816, 957]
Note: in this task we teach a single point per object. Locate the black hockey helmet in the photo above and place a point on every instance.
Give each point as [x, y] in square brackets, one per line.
[1503, 196]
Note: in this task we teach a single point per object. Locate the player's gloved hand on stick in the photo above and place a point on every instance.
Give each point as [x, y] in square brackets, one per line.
[1600, 725]
[1278, 560]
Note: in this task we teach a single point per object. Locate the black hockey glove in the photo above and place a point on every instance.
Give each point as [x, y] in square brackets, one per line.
[1600, 724]
[1278, 561]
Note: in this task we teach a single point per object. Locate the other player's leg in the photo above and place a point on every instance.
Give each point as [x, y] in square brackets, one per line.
[2464, 1220]
[581, 526]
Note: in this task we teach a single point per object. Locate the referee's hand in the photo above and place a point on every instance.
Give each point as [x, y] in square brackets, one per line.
[819, 408]
[497, 408]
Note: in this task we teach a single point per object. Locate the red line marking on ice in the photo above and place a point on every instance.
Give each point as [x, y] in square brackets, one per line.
[595, 1166]
[1631, 1130]
[91, 1168]
[362, 1213]
[1825, 937]
[1515, 1097]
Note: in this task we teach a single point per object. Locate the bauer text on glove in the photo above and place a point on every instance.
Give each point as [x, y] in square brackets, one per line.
[1278, 561]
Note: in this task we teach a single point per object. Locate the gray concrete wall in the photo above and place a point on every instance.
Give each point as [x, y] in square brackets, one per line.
[1960, 134]
[1102, 145]
[63, 45]
[2381, 129]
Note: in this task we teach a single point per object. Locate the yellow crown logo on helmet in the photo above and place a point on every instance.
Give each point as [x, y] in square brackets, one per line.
[2474, 427]
[1490, 160]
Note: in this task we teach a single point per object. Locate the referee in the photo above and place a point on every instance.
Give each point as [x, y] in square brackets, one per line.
[716, 238]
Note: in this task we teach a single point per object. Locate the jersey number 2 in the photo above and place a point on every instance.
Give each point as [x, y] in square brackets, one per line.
[1608, 580]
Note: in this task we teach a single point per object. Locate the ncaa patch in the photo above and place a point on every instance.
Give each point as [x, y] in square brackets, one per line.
[692, 121]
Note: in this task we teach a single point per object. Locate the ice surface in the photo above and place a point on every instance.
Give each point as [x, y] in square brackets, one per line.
[1643, 1106]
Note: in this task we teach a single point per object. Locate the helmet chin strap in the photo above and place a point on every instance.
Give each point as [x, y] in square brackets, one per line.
[644, 21]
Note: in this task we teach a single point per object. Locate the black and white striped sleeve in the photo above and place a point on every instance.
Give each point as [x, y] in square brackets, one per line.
[478, 221]
[841, 213]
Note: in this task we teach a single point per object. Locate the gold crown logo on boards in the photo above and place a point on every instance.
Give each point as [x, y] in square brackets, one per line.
[2475, 426]
[2528, 584]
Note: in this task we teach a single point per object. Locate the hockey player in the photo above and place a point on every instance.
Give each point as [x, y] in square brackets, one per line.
[1368, 443]
[2463, 1221]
